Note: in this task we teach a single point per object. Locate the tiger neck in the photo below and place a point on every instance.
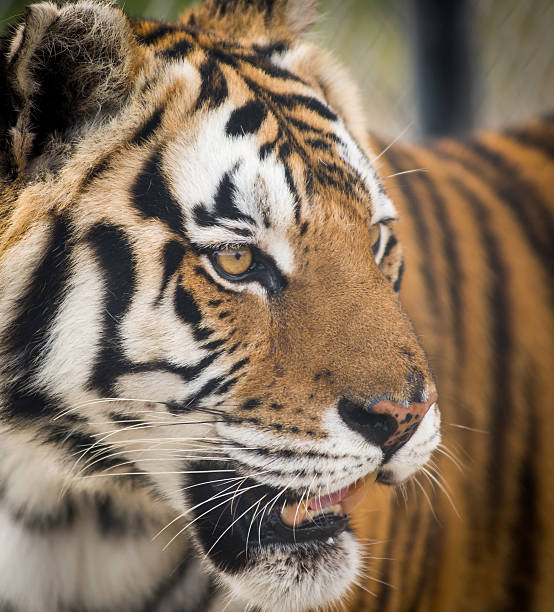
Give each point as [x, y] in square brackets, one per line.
[109, 549]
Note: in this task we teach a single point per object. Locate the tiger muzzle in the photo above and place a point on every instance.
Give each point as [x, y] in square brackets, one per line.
[386, 424]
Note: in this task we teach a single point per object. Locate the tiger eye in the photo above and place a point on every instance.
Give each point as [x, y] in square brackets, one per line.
[234, 261]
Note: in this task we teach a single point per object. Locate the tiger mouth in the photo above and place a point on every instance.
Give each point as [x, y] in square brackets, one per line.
[338, 504]
[232, 532]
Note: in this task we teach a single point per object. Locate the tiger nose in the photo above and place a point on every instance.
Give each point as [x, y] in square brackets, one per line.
[386, 424]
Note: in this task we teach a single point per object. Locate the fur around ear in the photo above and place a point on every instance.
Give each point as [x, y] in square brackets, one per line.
[64, 66]
[238, 16]
[301, 15]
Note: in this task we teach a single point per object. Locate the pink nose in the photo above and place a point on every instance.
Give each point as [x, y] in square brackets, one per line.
[407, 418]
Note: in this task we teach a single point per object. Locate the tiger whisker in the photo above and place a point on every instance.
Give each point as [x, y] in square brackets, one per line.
[392, 143]
[231, 526]
[483, 431]
[361, 586]
[272, 502]
[157, 473]
[87, 466]
[188, 511]
[407, 172]
[103, 439]
[442, 488]
[447, 453]
[250, 527]
[104, 400]
[422, 488]
[226, 501]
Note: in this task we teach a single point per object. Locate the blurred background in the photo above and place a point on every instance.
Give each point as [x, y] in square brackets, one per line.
[425, 67]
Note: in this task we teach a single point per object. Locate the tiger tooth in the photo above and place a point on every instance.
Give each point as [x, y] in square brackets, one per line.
[334, 509]
[293, 514]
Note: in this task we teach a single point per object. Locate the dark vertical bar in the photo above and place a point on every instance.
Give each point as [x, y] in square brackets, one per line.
[444, 64]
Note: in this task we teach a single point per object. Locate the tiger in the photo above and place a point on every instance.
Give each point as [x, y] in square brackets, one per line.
[227, 311]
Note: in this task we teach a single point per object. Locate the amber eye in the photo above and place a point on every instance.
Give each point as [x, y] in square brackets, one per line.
[234, 262]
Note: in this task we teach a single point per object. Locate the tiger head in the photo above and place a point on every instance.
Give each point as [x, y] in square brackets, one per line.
[199, 280]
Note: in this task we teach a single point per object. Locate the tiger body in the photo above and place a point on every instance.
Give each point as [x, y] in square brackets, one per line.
[148, 399]
[477, 222]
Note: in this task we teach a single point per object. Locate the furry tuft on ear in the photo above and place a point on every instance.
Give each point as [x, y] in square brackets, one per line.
[65, 66]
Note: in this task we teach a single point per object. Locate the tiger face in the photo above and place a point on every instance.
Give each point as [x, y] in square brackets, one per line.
[208, 305]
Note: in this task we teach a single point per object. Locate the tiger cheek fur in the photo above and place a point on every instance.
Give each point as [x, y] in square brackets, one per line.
[176, 429]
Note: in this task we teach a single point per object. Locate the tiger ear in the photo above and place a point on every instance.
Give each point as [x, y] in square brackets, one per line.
[301, 15]
[64, 67]
[297, 16]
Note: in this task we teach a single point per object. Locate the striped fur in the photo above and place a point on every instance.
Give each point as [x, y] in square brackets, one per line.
[155, 413]
[477, 229]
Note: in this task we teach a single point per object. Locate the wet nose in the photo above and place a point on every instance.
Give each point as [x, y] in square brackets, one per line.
[386, 423]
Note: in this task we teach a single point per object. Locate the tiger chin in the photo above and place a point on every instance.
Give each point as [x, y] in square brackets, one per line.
[202, 348]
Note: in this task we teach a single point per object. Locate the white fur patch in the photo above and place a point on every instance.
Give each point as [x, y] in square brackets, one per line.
[198, 161]
[277, 584]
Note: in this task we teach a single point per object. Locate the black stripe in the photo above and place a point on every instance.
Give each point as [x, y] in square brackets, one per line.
[25, 339]
[417, 216]
[228, 384]
[23, 404]
[246, 119]
[293, 190]
[251, 403]
[114, 255]
[426, 574]
[63, 517]
[517, 194]
[98, 169]
[541, 140]
[238, 365]
[315, 105]
[213, 91]
[77, 443]
[258, 60]
[527, 531]
[186, 306]
[501, 323]
[177, 50]
[189, 373]
[119, 522]
[224, 200]
[291, 101]
[399, 276]
[213, 345]
[173, 255]
[159, 32]
[207, 389]
[152, 198]
[392, 242]
[26, 336]
[307, 127]
[147, 129]
[268, 147]
[454, 275]
[188, 311]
